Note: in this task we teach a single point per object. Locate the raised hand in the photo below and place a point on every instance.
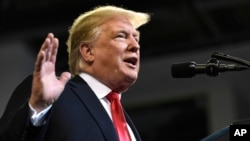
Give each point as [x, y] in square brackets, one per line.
[46, 86]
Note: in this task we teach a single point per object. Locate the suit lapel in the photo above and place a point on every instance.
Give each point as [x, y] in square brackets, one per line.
[92, 103]
[132, 126]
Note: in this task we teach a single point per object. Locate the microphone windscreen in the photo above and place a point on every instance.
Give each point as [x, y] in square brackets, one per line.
[183, 70]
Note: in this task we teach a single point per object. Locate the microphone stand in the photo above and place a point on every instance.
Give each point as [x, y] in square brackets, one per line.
[212, 67]
[230, 58]
[213, 63]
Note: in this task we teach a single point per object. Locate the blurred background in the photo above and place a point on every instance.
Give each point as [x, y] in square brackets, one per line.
[161, 106]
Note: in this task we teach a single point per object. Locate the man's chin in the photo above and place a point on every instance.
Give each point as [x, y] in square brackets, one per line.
[132, 78]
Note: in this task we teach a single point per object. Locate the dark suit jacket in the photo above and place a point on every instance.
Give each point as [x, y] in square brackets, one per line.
[77, 115]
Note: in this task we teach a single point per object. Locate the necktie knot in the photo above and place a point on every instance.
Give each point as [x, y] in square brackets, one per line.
[113, 96]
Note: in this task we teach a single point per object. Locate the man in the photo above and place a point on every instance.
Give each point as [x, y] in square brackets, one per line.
[104, 57]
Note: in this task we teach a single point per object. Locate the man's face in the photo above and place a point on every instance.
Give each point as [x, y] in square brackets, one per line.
[117, 54]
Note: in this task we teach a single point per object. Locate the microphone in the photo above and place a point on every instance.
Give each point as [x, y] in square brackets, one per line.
[190, 69]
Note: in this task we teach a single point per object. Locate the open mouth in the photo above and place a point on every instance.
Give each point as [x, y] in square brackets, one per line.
[132, 61]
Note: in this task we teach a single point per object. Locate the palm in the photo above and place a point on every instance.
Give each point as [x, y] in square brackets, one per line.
[47, 81]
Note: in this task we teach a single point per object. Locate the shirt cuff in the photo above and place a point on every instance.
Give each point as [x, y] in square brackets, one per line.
[38, 119]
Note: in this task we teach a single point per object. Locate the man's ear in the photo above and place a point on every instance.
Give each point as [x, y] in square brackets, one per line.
[86, 52]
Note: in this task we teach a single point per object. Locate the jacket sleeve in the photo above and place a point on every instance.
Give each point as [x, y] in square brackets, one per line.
[15, 122]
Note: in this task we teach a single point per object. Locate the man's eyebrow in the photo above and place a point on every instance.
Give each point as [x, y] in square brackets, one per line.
[135, 34]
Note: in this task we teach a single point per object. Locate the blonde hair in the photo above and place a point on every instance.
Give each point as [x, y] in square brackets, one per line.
[85, 30]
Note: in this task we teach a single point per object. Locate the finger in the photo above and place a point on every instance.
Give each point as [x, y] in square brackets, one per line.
[54, 51]
[64, 78]
[45, 44]
[41, 57]
[49, 47]
[39, 61]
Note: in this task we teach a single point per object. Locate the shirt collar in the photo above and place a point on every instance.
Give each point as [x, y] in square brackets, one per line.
[98, 87]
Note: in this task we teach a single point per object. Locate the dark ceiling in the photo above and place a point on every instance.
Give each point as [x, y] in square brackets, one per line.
[176, 25]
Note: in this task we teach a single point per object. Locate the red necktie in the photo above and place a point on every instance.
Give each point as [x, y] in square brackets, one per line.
[118, 116]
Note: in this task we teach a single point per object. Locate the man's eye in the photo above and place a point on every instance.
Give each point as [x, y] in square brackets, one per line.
[121, 36]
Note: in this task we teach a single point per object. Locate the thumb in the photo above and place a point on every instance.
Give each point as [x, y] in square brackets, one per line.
[65, 76]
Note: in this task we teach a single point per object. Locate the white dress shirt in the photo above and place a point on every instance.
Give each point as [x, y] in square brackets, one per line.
[99, 89]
